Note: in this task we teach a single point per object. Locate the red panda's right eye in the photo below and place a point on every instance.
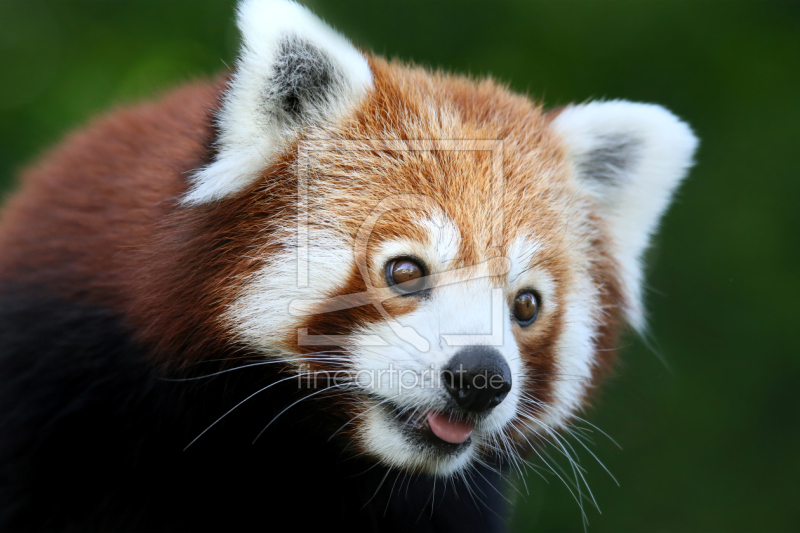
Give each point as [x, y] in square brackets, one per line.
[526, 308]
[406, 272]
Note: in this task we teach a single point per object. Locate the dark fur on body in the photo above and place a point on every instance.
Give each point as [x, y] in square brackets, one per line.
[93, 440]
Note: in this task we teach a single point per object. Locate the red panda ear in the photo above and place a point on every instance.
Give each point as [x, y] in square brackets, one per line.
[630, 158]
[293, 71]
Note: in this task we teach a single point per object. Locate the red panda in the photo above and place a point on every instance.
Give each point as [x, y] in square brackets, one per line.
[298, 296]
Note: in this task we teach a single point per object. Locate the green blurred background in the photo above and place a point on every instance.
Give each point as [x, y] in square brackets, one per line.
[710, 436]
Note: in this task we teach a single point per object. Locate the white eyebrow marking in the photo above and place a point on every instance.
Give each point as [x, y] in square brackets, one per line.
[521, 253]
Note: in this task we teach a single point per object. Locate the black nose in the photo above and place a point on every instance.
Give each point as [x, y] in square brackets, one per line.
[478, 378]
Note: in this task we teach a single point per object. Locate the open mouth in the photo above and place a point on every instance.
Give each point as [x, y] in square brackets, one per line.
[443, 431]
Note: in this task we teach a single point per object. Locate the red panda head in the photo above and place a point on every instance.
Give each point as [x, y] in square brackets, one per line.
[454, 261]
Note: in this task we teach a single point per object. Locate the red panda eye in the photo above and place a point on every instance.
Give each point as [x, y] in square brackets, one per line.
[408, 272]
[526, 307]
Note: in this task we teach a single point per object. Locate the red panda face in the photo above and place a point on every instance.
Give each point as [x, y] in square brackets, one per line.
[445, 261]
[445, 333]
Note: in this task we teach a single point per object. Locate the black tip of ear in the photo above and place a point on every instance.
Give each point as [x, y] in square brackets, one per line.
[303, 78]
[612, 160]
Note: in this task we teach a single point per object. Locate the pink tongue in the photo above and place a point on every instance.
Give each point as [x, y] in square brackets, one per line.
[449, 430]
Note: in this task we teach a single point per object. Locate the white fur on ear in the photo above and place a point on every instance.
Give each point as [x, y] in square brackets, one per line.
[630, 157]
[293, 71]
